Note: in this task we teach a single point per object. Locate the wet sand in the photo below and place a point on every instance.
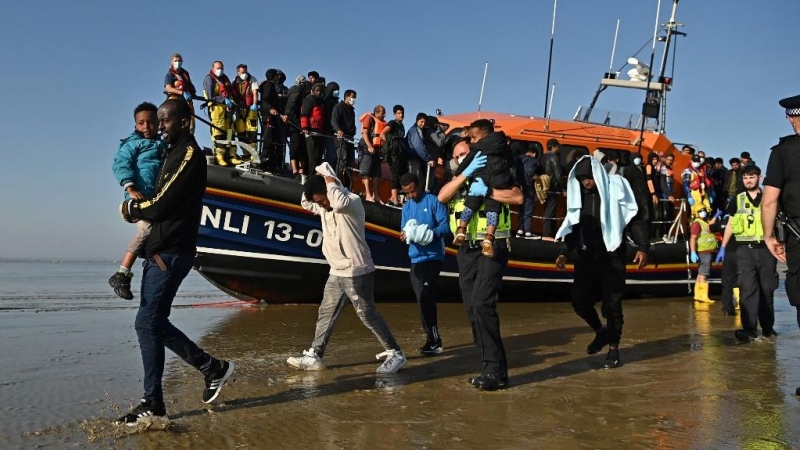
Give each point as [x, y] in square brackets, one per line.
[685, 383]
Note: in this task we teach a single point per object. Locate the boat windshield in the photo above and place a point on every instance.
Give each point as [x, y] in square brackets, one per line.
[619, 119]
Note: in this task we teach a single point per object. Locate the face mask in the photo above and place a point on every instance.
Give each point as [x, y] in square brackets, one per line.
[695, 164]
[242, 76]
[218, 72]
[702, 214]
[352, 101]
[335, 93]
[461, 159]
[176, 65]
[702, 160]
[637, 161]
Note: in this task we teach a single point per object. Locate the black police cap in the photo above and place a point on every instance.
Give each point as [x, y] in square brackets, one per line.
[792, 105]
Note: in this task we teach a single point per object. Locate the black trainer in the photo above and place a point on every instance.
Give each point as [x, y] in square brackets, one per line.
[122, 284]
[744, 336]
[612, 359]
[600, 340]
[431, 348]
[144, 410]
[214, 384]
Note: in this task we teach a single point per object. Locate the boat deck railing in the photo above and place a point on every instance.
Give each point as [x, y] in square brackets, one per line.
[629, 121]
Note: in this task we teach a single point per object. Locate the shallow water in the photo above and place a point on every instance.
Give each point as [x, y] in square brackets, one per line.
[685, 383]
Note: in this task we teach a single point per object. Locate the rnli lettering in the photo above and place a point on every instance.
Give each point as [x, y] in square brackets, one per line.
[231, 222]
[214, 218]
[282, 232]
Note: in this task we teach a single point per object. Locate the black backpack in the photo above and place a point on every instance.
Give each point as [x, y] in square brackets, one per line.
[396, 147]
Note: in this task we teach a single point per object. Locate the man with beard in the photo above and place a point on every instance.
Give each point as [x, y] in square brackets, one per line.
[600, 269]
[758, 275]
[170, 252]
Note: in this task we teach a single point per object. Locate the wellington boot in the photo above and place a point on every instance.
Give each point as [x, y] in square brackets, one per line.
[233, 158]
[220, 156]
[736, 298]
[701, 292]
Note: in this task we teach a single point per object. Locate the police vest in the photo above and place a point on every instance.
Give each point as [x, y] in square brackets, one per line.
[476, 227]
[706, 242]
[747, 220]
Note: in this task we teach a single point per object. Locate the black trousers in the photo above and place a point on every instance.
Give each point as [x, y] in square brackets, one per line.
[315, 148]
[758, 279]
[550, 225]
[730, 280]
[424, 276]
[479, 279]
[600, 281]
[792, 282]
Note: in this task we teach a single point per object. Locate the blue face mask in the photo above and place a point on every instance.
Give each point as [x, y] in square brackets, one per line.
[637, 161]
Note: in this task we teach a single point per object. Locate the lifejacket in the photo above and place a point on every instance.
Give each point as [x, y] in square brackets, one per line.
[183, 80]
[243, 91]
[222, 85]
[695, 180]
[478, 224]
[706, 241]
[315, 120]
[377, 129]
[747, 226]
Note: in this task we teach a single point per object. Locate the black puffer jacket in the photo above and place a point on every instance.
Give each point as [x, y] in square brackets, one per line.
[498, 172]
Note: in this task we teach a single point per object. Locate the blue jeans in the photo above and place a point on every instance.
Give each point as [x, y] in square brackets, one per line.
[154, 330]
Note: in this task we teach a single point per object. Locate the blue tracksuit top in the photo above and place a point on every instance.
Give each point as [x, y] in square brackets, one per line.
[429, 210]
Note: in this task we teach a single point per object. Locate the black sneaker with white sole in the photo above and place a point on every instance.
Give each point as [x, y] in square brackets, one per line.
[214, 383]
[145, 410]
[431, 348]
[121, 282]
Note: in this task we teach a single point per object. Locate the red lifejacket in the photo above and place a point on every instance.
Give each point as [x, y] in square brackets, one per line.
[243, 92]
[223, 86]
[695, 179]
[183, 80]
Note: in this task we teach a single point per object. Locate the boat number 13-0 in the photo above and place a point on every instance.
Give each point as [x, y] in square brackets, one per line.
[283, 232]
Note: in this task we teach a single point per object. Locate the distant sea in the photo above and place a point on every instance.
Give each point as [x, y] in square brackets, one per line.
[68, 342]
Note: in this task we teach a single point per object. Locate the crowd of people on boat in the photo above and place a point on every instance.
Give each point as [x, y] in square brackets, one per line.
[608, 205]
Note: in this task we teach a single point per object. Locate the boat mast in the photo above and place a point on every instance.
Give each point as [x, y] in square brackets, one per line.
[647, 98]
[483, 84]
[550, 60]
[609, 75]
[671, 31]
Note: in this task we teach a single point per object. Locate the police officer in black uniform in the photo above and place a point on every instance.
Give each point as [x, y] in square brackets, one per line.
[782, 191]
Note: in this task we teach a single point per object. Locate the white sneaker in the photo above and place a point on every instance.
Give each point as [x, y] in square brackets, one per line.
[519, 233]
[395, 360]
[309, 361]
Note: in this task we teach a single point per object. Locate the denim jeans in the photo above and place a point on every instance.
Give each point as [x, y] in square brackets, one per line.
[154, 330]
[361, 292]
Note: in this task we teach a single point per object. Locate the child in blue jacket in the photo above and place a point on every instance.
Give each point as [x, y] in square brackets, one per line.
[136, 166]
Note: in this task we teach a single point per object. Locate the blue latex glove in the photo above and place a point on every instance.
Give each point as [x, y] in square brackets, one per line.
[478, 188]
[187, 96]
[720, 255]
[228, 103]
[694, 258]
[477, 163]
[718, 215]
[690, 200]
[254, 108]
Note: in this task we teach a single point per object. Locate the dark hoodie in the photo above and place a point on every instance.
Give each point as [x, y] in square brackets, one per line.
[498, 172]
[328, 102]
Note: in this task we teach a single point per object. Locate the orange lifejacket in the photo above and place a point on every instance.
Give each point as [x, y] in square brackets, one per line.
[222, 85]
[377, 128]
[243, 92]
[183, 81]
[695, 179]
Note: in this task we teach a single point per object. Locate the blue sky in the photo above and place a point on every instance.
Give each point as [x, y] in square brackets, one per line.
[74, 71]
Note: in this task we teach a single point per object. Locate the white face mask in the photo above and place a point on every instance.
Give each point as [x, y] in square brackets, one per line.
[702, 160]
[218, 72]
[695, 164]
[461, 159]
[637, 161]
[335, 93]
[176, 65]
[242, 76]
[352, 101]
[702, 214]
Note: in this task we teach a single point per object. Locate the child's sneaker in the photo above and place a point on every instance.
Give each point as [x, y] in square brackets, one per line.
[461, 235]
[487, 246]
[121, 283]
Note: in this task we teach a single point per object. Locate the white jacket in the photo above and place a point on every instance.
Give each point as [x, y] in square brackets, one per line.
[344, 244]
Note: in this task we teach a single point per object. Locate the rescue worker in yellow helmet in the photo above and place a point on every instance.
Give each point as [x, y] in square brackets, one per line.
[218, 90]
[695, 187]
[758, 274]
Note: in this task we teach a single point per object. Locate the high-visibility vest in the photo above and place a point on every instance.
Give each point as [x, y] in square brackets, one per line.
[747, 221]
[477, 225]
[706, 242]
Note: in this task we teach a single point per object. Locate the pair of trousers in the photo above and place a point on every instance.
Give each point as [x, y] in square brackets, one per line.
[480, 279]
[424, 276]
[360, 290]
[729, 280]
[315, 148]
[549, 226]
[600, 281]
[156, 332]
[758, 279]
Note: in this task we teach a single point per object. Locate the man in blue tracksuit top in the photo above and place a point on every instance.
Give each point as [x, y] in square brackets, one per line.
[425, 225]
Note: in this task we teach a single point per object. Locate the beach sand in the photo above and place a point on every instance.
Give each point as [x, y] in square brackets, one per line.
[685, 383]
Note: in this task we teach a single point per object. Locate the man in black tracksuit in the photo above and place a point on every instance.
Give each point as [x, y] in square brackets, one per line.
[600, 274]
[343, 124]
[169, 254]
[272, 143]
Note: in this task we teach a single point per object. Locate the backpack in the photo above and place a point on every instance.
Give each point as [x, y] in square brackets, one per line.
[396, 147]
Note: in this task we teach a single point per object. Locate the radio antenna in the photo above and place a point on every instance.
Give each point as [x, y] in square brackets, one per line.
[483, 84]
[550, 60]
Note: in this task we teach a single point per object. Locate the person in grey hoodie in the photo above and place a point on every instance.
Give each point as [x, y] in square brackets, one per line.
[352, 273]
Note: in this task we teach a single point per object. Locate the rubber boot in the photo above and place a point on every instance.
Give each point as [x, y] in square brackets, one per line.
[701, 292]
[233, 158]
[736, 298]
[220, 156]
